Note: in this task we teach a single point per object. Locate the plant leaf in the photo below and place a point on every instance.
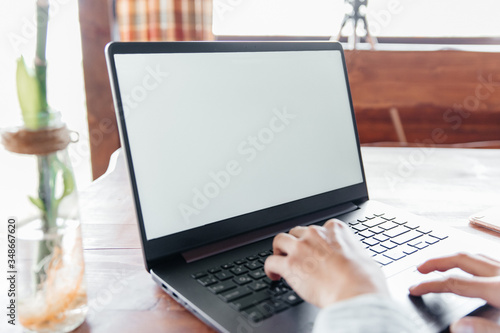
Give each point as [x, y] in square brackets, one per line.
[68, 179]
[37, 202]
[31, 98]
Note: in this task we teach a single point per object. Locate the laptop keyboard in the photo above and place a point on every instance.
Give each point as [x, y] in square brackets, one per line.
[243, 284]
[388, 238]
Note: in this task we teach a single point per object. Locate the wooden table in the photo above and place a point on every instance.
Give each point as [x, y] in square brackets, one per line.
[446, 185]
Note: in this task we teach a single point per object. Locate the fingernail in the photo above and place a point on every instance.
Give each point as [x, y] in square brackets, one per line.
[461, 327]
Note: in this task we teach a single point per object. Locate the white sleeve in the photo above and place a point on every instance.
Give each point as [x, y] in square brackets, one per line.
[366, 313]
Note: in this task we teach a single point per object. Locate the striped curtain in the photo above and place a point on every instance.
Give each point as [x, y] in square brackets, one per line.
[171, 20]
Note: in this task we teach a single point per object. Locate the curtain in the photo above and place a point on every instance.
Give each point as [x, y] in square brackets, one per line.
[172, 20]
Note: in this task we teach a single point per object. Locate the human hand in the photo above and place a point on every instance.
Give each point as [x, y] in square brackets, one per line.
[324, 264]
[485, 284]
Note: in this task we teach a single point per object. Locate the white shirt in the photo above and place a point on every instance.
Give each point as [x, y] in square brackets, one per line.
[366, 313]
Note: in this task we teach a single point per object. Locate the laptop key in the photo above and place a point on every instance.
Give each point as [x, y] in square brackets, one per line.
[396, 231]
[258, 285]
[257, 274]
[224, 275]
[252, 258]
[276, 289]
[360, 237]
[416, 241]
[292, 298]
[359, 227]
[208, 280]
[412, 225]
[376, 230]
[213, 270]
[240, 262]
[370, 253]
[221, 287]
[381, 238]
[238, 270]
[388, 244]
[395, 254]
[277, 305]
[382, 260]
[370, 241]
[366, 233]
[234, 294]
[267, 280]
[374, 222]
[388, 225]
[250, 300]
[198, 275]
[430, 240]
[408, 249]
[227, 266]
[378, 249]
[242, 279]
[424, 230]
[420, 245]
[401, 239]
[438, 235]
[253, 265]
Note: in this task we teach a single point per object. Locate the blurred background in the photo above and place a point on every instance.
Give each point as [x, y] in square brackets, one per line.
[78, 85]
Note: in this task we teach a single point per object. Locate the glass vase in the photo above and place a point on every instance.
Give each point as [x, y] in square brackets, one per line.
[52, 293]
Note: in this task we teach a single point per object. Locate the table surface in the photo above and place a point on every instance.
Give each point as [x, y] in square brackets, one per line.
[445, 185]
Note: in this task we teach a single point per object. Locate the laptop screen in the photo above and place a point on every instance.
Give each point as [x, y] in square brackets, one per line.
[216, 135]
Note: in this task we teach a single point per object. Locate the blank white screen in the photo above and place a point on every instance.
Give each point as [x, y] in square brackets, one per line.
[218, 135]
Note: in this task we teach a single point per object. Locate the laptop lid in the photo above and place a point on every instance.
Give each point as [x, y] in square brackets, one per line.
[223, 138]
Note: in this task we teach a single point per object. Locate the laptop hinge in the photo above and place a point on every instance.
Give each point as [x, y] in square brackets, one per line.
[257, 235]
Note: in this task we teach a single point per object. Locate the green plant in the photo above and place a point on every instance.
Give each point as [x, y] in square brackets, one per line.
[37, 115]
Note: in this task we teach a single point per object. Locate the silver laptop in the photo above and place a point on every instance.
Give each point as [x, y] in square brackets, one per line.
[228, 144]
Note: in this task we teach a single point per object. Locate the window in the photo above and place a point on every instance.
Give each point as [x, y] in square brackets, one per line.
[386, 18]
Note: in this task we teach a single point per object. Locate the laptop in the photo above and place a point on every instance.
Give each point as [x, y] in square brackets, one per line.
[228, 144]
